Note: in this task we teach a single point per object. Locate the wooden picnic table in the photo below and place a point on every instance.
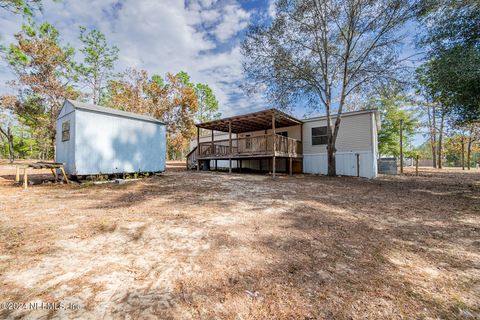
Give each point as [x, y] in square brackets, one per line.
[40, 165]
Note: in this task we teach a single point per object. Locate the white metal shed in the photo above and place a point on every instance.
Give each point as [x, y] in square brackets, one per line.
[96, 140]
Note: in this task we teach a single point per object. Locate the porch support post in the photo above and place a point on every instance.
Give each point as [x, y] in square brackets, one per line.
[230, 146]
[301, 138]
[274, 144]
[290, 166]
[301, 144]
[213, 146]
[198, 149]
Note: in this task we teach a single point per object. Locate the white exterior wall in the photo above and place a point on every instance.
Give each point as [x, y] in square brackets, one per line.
[357, 135]
[103, 143]
[65, 150]
[293, 132]
[206, 138]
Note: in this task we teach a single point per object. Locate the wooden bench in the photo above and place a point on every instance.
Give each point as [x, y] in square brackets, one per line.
[40, 165]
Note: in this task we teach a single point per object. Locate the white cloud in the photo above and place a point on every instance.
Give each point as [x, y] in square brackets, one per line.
[235, 19]
[160, 36]
[272, 10]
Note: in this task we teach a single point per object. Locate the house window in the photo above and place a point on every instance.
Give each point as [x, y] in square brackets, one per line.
[284, 133]
[248, 142]
[319, 136]
[66, 131]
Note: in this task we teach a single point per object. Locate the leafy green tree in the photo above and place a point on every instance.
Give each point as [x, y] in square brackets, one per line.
[456, 75]
[452, 41]
[207, 103]
[424, 151]
[98, 62]
[184, 79]
[24, 143]
[6, 134]
[18, 140]
[392, 105]
[45, 72]
[389, 134]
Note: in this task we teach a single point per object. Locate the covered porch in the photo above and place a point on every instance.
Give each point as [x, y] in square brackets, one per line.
[262, 142]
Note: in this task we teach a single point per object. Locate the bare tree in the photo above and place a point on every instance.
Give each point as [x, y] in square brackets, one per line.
[321, 51]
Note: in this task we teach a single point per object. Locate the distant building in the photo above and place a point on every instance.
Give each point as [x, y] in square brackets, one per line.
[96, 140]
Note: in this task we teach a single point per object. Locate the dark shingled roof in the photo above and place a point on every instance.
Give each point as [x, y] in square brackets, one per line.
[95, 108]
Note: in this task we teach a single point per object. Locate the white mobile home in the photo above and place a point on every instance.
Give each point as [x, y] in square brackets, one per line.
[357, 137]
[95, 140]
[271, 140]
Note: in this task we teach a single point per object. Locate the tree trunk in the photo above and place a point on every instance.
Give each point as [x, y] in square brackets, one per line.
[10, 144]
[332, 137]
[433, 138]
[332, 169]
[469, 150]
[54, 148]
[440, 137]
[331, 166]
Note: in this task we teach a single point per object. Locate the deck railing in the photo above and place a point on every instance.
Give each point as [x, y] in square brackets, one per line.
[192, 158]
[254, 146]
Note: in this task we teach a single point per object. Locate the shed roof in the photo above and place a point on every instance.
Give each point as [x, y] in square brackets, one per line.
[105, 110]
[261, 120]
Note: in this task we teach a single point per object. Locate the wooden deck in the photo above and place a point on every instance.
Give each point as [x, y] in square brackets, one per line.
[251, 147]
[258, 147]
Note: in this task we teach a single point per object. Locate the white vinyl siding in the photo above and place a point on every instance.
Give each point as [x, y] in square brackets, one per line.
[65, 149]
[355, 133]
[291, 132]
[356, 136]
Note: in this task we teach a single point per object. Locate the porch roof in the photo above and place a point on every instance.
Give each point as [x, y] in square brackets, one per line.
[255, 121]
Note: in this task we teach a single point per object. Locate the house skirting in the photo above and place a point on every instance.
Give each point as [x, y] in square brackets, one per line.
[346, 163]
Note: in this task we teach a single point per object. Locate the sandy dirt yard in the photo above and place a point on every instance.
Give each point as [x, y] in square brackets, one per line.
[188, 245]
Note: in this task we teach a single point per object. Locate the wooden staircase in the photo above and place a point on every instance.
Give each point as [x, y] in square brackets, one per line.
[192, 159]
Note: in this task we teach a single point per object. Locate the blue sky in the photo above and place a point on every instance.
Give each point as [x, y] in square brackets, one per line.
[201, 37]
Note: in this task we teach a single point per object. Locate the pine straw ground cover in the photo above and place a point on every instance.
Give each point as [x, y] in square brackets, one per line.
[212, 245]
